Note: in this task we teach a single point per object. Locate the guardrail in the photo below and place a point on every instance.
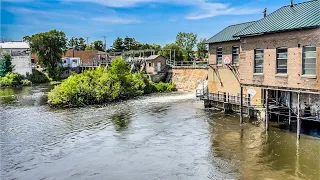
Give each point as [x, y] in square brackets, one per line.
[226, 98]
[187, 63]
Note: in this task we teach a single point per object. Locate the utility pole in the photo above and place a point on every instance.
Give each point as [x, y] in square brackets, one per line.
[72, 44]
[105, 46]
[87, 41]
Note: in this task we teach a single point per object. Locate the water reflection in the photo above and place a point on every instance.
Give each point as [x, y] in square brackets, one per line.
[121, 120]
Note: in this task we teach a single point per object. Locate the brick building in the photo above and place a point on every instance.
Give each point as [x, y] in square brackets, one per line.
[278, 56]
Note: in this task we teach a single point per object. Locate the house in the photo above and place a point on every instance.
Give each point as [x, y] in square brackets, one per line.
[21, 56]
[155, 64]
[90, 57]
[276, 58]
[70, 62]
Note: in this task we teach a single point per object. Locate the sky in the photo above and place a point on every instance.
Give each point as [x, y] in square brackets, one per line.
[148, 21]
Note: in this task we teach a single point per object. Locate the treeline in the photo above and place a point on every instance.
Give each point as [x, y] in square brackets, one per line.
[50, 47]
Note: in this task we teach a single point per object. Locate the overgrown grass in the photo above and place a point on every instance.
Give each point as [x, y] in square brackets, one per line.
[14, 79]
[38, 77]
[101, 86]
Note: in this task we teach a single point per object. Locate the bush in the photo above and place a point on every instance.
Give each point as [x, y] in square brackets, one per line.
[101, 86]
[11, 79]
[26, 82]
[38, 77]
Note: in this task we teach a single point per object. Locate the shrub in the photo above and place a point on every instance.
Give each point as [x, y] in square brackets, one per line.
[11, 79]
[26, 82]
[101, 86]
[38, 77]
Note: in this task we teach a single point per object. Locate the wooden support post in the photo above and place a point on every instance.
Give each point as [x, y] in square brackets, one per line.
[298, 118]
[241, 105]
[290, 103]
[267, 110]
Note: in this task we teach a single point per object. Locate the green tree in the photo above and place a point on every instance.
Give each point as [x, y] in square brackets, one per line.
[176, 52]
[89, 47]
[82, 44]
[26, 39]
[49, 47]
[5, 63]
[202, 48]
[186, 41]
[98, 45]
[118, 45]
[130, 44]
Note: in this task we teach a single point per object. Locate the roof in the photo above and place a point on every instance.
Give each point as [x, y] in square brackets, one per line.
[14, 45]
[299, 16]
[227, 33]
[153, 57]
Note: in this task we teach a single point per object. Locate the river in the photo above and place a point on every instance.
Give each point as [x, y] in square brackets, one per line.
[156, 137]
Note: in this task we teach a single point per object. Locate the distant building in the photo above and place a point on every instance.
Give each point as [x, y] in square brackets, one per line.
[91, 57]
[21, 56]
[70, 62]
[155, 64]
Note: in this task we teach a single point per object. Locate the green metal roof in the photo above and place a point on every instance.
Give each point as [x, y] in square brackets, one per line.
[299, 16]
[227, 33]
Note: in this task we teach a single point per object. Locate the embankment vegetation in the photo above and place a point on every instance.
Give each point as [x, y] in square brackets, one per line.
[101, 85]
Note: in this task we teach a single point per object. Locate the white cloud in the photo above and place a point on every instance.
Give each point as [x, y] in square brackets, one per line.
[203, 8]
[116, 20]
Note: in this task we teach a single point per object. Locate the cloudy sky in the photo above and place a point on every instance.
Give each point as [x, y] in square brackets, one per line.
[148, 21]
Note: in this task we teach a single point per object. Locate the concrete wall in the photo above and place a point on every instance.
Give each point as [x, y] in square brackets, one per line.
[186, 78]
[294, 41]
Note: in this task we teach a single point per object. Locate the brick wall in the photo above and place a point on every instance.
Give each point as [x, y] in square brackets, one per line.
[292, 40]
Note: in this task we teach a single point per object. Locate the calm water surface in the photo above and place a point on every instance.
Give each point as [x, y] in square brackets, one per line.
[158, 137]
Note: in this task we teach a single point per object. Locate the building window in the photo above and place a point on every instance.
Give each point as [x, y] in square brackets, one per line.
[309, 60]
[235, 54]
[258, 60]
[219, 55]
[282, 60]
[149, 64]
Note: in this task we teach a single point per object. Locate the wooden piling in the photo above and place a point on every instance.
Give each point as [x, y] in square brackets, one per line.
[267, 110]
[241, 105]
[290, 104]
[298, 118]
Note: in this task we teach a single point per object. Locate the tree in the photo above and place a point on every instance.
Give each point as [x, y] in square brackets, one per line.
[130, 44]
[49, 47]
[186, 41]
[98, 45]
[202, 48]
[5, 63]
[82, 44]
[77, 44]
[118, 45]
[89, 47]
[27, 39]
[176, 52]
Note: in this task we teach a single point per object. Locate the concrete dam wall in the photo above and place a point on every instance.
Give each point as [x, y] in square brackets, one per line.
[186, 78]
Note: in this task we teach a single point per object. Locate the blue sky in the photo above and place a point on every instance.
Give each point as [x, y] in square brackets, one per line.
[148, 21]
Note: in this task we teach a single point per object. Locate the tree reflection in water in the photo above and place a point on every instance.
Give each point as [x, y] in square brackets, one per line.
[121, 120]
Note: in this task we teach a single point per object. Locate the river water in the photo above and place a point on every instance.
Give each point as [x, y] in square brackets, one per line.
[156, 137]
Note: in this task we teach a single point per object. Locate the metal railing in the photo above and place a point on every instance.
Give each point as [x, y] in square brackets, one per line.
[187, 63]
[224, 97]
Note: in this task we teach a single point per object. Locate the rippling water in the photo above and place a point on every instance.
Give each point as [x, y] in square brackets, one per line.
[162, 136]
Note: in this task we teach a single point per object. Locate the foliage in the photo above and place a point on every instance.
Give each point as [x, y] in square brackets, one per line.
[202, 48]
[5, 63]
[130, 44]
[77, 44]
[175, 51]
[118, 45]
[13, 79]
[38, 77]
[101, 86]
[49, 47]
[186, 41]
[98, 45]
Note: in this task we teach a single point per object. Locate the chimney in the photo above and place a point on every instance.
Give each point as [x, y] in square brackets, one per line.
[291, 4]
[265, 12]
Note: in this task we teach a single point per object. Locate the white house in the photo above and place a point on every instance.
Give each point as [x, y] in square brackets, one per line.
[21, 56]
[71, 62]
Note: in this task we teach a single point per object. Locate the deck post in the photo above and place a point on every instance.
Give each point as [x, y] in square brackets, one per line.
[298, 119]
[290, 102]
[241, 105]
[267, 110]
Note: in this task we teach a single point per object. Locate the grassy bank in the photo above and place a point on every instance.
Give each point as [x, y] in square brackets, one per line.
[102, 86]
